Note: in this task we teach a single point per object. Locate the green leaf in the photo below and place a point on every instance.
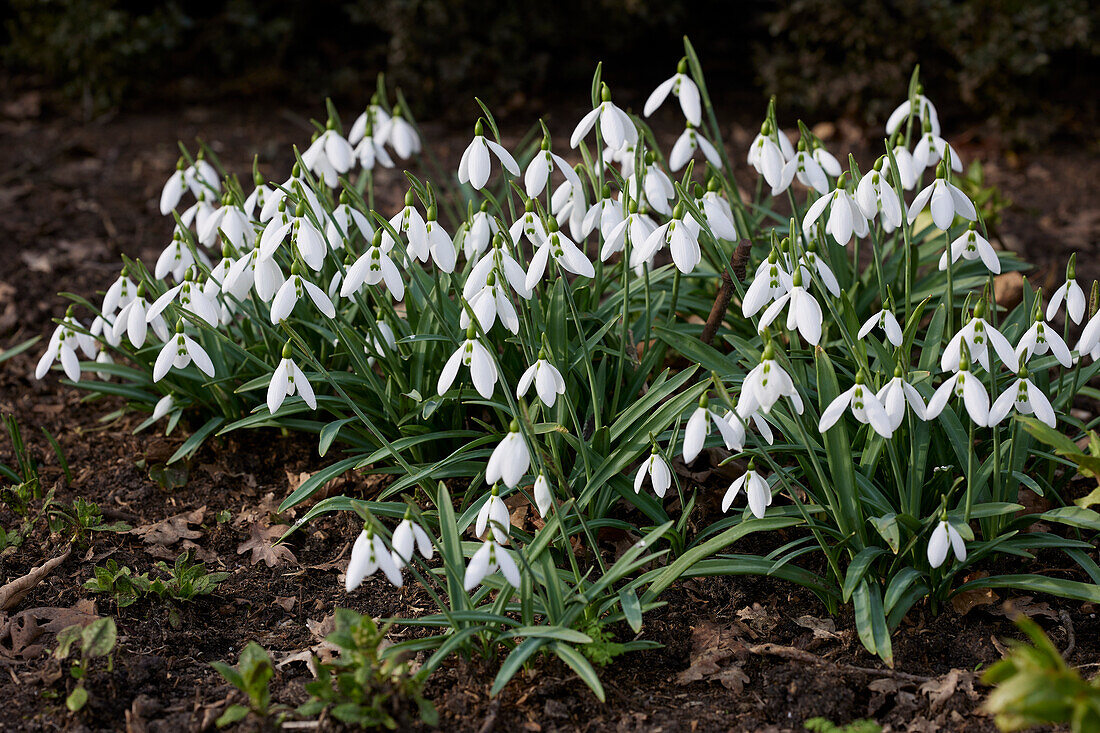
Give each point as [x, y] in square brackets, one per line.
[1074, 516]
[871, 621]
[515, 661]
[888, 529]
[329, 433]
[581, 666]
[77, 699]
[1072, 589]
[99, 637]
[192, 444]
[632, 609]
[559, 633]
[233, 714]
[859, 566]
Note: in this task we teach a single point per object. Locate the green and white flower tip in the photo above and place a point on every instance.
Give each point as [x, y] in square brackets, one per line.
[293, 290]
[493, 517]
[945, 201]
[887, 321]
[488, 559]
[1089, 343]
[189, 297]
[971, 245]
[544, 495]
[681, 235]
[368, 555]
[698, 427]
[1041, 338]
[757, 491]
[931, 149]
[372, 267]
[924, 109]
[546, 378]
[979, 334]
[178, 352]
[563, 251]
[474, 168]
[845, 216]
[769, 152]
[803, 311]
[765, 384]
[400, 134]
[945, 537]
[685, 147]
[510, 459]
[684, 89]
[286, 381]
[329, 155]
[896, 394]
[1027, 399]
[197, 178]
[965, 386]
[875, 195]
[660, 477]
[1070, 293]
[616, 127]
[62, 347]
[864, 405]
[407, 537]
[771, 282]
[475, 357]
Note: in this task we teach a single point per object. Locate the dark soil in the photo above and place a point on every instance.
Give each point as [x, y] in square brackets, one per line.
[73, 197]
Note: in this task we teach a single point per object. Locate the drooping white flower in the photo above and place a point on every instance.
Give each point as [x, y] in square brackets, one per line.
[811, 264]
[174, 259]
[500, 263]
[769, 152]
[529, 225]
[474, 168]
[979, 335]
[407, 537]
[685, 146]
[888, 322]
[541, 166]
[488, 304]
[931, 149]
[804, 167]
[121, 292]
[765, 384]
[698, 427]
[616, 127]
[250, 270]
[546, 378]
[475, 357]
[62, 347]
[962, 385]
[493, 517]
[198, 177]
[717, 212]
[1027, 399]
[1041, 338]
[875, 195]
[479, 232]
[756, 489]
[374, 117]
[307, 238]
[510, 459]
[133, 320]
[923, 109]
[945, 201]
[635, 228]
[845, 216]
[895, 395]
[294, 289]
[945, 537]
[400, 134]
[970, 245]
[409, 222]
[163, 407]
[864, 405]
[826, 160]
[607, 214]
[660, 477]
[908, 173]
[1070, 292]
[655, 189]
[179, 351]
[680, 234]
[568, 204]
[561, 248]
[189, 297]
[684, 89]
[436, 242]
[231, 221]
[368, 555]
[374, 266]
[344, 220]
[286, 381]
[329, 155]
[803, 311]
[771, 282]
[489, 558]
[544, 495]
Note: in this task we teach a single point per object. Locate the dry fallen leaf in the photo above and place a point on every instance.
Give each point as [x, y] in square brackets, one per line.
[711, 645]
[758, 618]
[1026, 605]
[262, 544]
[19, 632]
[171, 530]
[968, 600]
[823, 628]
[942, 688]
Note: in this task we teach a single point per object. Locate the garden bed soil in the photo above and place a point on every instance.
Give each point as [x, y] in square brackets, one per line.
[73, 197]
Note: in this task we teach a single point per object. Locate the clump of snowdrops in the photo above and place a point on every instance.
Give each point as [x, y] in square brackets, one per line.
[503, 338]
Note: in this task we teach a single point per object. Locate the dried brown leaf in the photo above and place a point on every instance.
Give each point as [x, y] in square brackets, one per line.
[261, 543]
[171, 530]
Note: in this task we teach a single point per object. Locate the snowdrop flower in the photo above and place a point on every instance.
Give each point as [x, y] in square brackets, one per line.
[864, 405]
[374, 117]
[544, 495]
[64, 342]
[133, 318]
[489, 558]
[1026, 398]
[826, 160]
[717, 212]
[307, 238]
[567, 204]
[684, 89]
[339, 227]
[845, 216]
[946, 199]
[163, 407]
[894, 396]
[811, 263]
[1041, 338]
[198, 213]
[808, 171]
[286, 381]
[474, 166]
[656, 188]
[616, 127]
[546, 378]
[510, 459]
[529, 225]
[803, 311]
[401, 135]
[329, 155]
[682, 237]
[476, 358]
[433, 240]
[885, 320]
[374, 266]
[179, 352]
[924, 109]
[494, 518]
[686, 145]
[298, 186]
[756, 489]
[368, 555]
[378, 345]
[497, 261]
[698, 426]
[1069, 291]
[174, 260]
[488, 304]
[972, 246]
[768, 153]
[765, 384]
[979, 335]
[931, 149]
[259, 196]
[173, 189]
[231, 222]
[293, 290]
[197, 177]
[250, 270]
[370, 153]
[874, 194]
[908, 173]
[962, 385]
[770, 282]
[119, 295]
[568, 256]
[541, 166]
[944, 536]
[189, 297]
[635, 228]
[659, 474]
[607, 214]
[479, 232]
[407, 537]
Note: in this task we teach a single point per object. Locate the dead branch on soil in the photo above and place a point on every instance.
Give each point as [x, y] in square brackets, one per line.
[798, 655]
[738, 262]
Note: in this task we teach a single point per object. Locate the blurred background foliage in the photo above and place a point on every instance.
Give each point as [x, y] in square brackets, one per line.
[1026, 66]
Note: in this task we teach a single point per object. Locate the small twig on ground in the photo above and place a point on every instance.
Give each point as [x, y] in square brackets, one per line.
[798, 655]
[1071, 638]
[738, 262]
[491, 719]
[14, 591]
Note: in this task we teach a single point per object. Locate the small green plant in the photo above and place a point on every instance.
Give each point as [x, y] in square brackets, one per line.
[360, 686]
[96, 640]
[251, 676]
[603, 648]
[78, 520]
[118, 582]
[185, 582]
[824, 725]
[1034, 686]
